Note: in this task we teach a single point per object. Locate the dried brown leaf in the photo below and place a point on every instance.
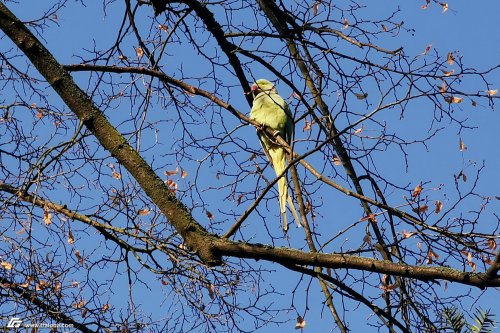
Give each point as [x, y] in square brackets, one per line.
[443, 88]
[407, 234]
[139, 51]
[78, 305]
[71, 239]
[388, 288]
[105, 308]
[6, 265]
[453, 99]
[41, 285]
[469, 257]
[171, 173]
[367, 239]
[47, 216]
[451, 58]
[492, 244]
[307, 126]
[431, 255]
[211, 290]
[361, 96]
[461, 175]
[427, 49]
[448, 73]
[79, 257]
[315, 7]
[473, 265]
[172, 185]
[359, 130]
[421, 209]
[461, 145]
[57, 287]
[444, 5]
[488, 261]
[417, 191]
[439, 206]
[346, 24]
[143, 212]
[301, 323]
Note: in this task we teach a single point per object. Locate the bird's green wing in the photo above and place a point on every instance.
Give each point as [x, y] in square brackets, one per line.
[271, 110]
[264, 143]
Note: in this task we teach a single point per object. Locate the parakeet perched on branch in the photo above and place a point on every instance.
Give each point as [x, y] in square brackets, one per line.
[271, 110]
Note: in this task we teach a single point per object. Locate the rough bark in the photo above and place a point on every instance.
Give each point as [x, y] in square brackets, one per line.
[209, 247]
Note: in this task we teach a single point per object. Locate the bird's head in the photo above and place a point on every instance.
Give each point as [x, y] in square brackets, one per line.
[263, 85]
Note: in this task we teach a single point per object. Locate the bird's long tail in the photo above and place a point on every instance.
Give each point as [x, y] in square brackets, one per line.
[279, 164]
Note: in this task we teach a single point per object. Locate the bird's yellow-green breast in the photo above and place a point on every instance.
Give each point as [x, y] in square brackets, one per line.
[269, 108]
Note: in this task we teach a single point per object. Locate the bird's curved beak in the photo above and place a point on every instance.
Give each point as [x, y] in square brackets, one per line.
[252, 89]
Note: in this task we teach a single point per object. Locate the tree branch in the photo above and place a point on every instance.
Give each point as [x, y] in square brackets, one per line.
[62, 82]
[209, 248]
[49, 309]
[287, 256]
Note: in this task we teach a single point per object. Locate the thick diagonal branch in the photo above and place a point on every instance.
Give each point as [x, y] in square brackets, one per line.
[83, 107]
[209, 247]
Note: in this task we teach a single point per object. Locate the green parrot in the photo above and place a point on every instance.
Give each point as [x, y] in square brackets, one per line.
[271, 110]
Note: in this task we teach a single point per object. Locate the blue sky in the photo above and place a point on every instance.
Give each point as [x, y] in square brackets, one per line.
[468, 27]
